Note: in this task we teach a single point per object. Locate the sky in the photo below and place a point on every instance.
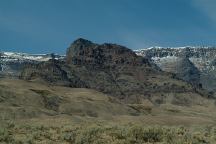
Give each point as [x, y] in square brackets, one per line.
[50, 26]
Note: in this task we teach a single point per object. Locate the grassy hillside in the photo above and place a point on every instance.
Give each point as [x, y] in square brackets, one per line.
[36, 112]
[21, 99]
[31, 99]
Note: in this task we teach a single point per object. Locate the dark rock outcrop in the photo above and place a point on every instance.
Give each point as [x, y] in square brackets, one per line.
[84, 52]
[186, 70]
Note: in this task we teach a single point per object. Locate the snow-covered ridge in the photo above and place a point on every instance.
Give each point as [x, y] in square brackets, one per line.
[15, 56]
[189, 51]
[11, 63]
[202, 57]
[176, 48]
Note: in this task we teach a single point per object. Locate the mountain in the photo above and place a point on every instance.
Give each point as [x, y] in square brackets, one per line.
[11, 63]
[197, 67]
[114, 70]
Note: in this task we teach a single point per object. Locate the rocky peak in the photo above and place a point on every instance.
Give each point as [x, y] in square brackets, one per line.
[81, 41]
[84, 52]
[77, 48]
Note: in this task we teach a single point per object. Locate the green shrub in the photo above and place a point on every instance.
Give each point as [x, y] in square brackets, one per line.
[103, 133]
[5, 136]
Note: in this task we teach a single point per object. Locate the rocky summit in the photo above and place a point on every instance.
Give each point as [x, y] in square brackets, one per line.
[114, 70]
[84, 52]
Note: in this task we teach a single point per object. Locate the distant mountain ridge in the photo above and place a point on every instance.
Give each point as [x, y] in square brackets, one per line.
[202, 61]
[16, 56]
[11, 63]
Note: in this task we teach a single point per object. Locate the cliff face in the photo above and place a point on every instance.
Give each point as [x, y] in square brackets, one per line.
[200, 67]
[111, 69]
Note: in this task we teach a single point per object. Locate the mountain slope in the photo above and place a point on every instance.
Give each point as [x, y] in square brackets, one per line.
[201, 61]
[186, 70]
[23, 100]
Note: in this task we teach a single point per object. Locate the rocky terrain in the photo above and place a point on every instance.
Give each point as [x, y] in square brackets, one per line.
[193, 64]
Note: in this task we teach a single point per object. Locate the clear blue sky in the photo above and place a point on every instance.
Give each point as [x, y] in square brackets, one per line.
[45, 26]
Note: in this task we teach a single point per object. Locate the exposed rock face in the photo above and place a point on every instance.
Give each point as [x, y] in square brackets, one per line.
[111, 69]
[84, 52]
[200, 67]
[186, 70]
